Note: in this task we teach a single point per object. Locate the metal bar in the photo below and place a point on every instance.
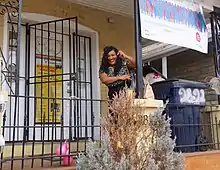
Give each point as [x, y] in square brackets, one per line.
[42, 114]
[85, 85]
[36, 97]
[59, 81]
[28, 79]
[80, 87]
[78, 106]
[25, 99]
[216, 46]
[43, 135]
[55, 101]
[62, 115]
[70, 85]
[55, 93]
[58, 20]
[91, 87]
[49, 92]
[11, 91]
[74, 83]
[52, 138]
[48, 79]
[35, 92]
[77, 85]
[67, 126]
[138, 50]
[50, 75]
[214, 40]
[3, 133]
[17, 74]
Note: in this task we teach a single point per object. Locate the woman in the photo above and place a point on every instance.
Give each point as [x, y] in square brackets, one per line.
[115, 69]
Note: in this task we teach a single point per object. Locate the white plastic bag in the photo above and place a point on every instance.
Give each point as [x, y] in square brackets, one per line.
[148, 91]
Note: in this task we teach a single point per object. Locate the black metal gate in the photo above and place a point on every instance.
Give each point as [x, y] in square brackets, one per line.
[60, 78]
[215, 26]
[55, 100]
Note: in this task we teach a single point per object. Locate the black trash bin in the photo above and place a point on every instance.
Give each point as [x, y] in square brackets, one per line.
[186, 98]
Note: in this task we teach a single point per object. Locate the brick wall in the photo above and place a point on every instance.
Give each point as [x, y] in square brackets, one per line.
[192, 65]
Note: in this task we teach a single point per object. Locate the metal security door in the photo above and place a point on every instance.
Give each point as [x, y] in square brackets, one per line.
[58, 81]
[82, 88]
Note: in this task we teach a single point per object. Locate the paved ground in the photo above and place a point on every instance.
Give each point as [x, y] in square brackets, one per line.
[37, 166]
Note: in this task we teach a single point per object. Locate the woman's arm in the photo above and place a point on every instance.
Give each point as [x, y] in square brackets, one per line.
[108, 80]
[131, 62]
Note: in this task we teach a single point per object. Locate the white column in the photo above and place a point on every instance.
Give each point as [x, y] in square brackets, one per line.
[164, 66]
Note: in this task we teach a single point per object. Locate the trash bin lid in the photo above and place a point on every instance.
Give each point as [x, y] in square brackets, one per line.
[182, 83]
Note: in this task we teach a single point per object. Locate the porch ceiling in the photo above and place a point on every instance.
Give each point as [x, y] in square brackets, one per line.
[125, 7]
[121, 7]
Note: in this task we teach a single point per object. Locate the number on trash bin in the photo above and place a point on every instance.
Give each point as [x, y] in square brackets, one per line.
[192, 96]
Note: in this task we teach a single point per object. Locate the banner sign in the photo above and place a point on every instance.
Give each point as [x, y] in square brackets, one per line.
[174, 22]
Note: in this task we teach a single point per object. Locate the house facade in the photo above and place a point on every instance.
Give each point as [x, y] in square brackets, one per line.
[60, 96]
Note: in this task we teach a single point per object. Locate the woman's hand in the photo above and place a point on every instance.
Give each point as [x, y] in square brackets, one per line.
[122, 54]
[125, 77]
[130, 60]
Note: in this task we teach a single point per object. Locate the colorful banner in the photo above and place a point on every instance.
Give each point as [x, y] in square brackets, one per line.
[174, 22]
[48, 86]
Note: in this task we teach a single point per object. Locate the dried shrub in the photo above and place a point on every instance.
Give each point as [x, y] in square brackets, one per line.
[132, 141]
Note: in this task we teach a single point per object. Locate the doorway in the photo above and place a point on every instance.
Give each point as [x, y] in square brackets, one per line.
[56, 84]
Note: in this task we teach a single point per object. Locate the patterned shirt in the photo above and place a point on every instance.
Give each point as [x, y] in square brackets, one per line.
[123, 71]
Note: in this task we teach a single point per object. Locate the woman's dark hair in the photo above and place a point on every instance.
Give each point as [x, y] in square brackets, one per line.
[105, 65]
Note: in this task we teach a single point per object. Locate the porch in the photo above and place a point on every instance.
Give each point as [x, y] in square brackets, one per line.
[56, 73]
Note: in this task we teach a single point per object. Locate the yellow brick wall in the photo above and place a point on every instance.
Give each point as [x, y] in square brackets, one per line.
[119, 34]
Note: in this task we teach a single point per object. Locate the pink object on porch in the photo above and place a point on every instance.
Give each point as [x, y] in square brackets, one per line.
[64, 149]
[67, 160]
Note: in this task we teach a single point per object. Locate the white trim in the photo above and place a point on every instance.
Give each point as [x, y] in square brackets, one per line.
[164, 66]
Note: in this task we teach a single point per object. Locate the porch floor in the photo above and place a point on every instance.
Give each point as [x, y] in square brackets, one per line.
[6, 165]
[37, 165]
